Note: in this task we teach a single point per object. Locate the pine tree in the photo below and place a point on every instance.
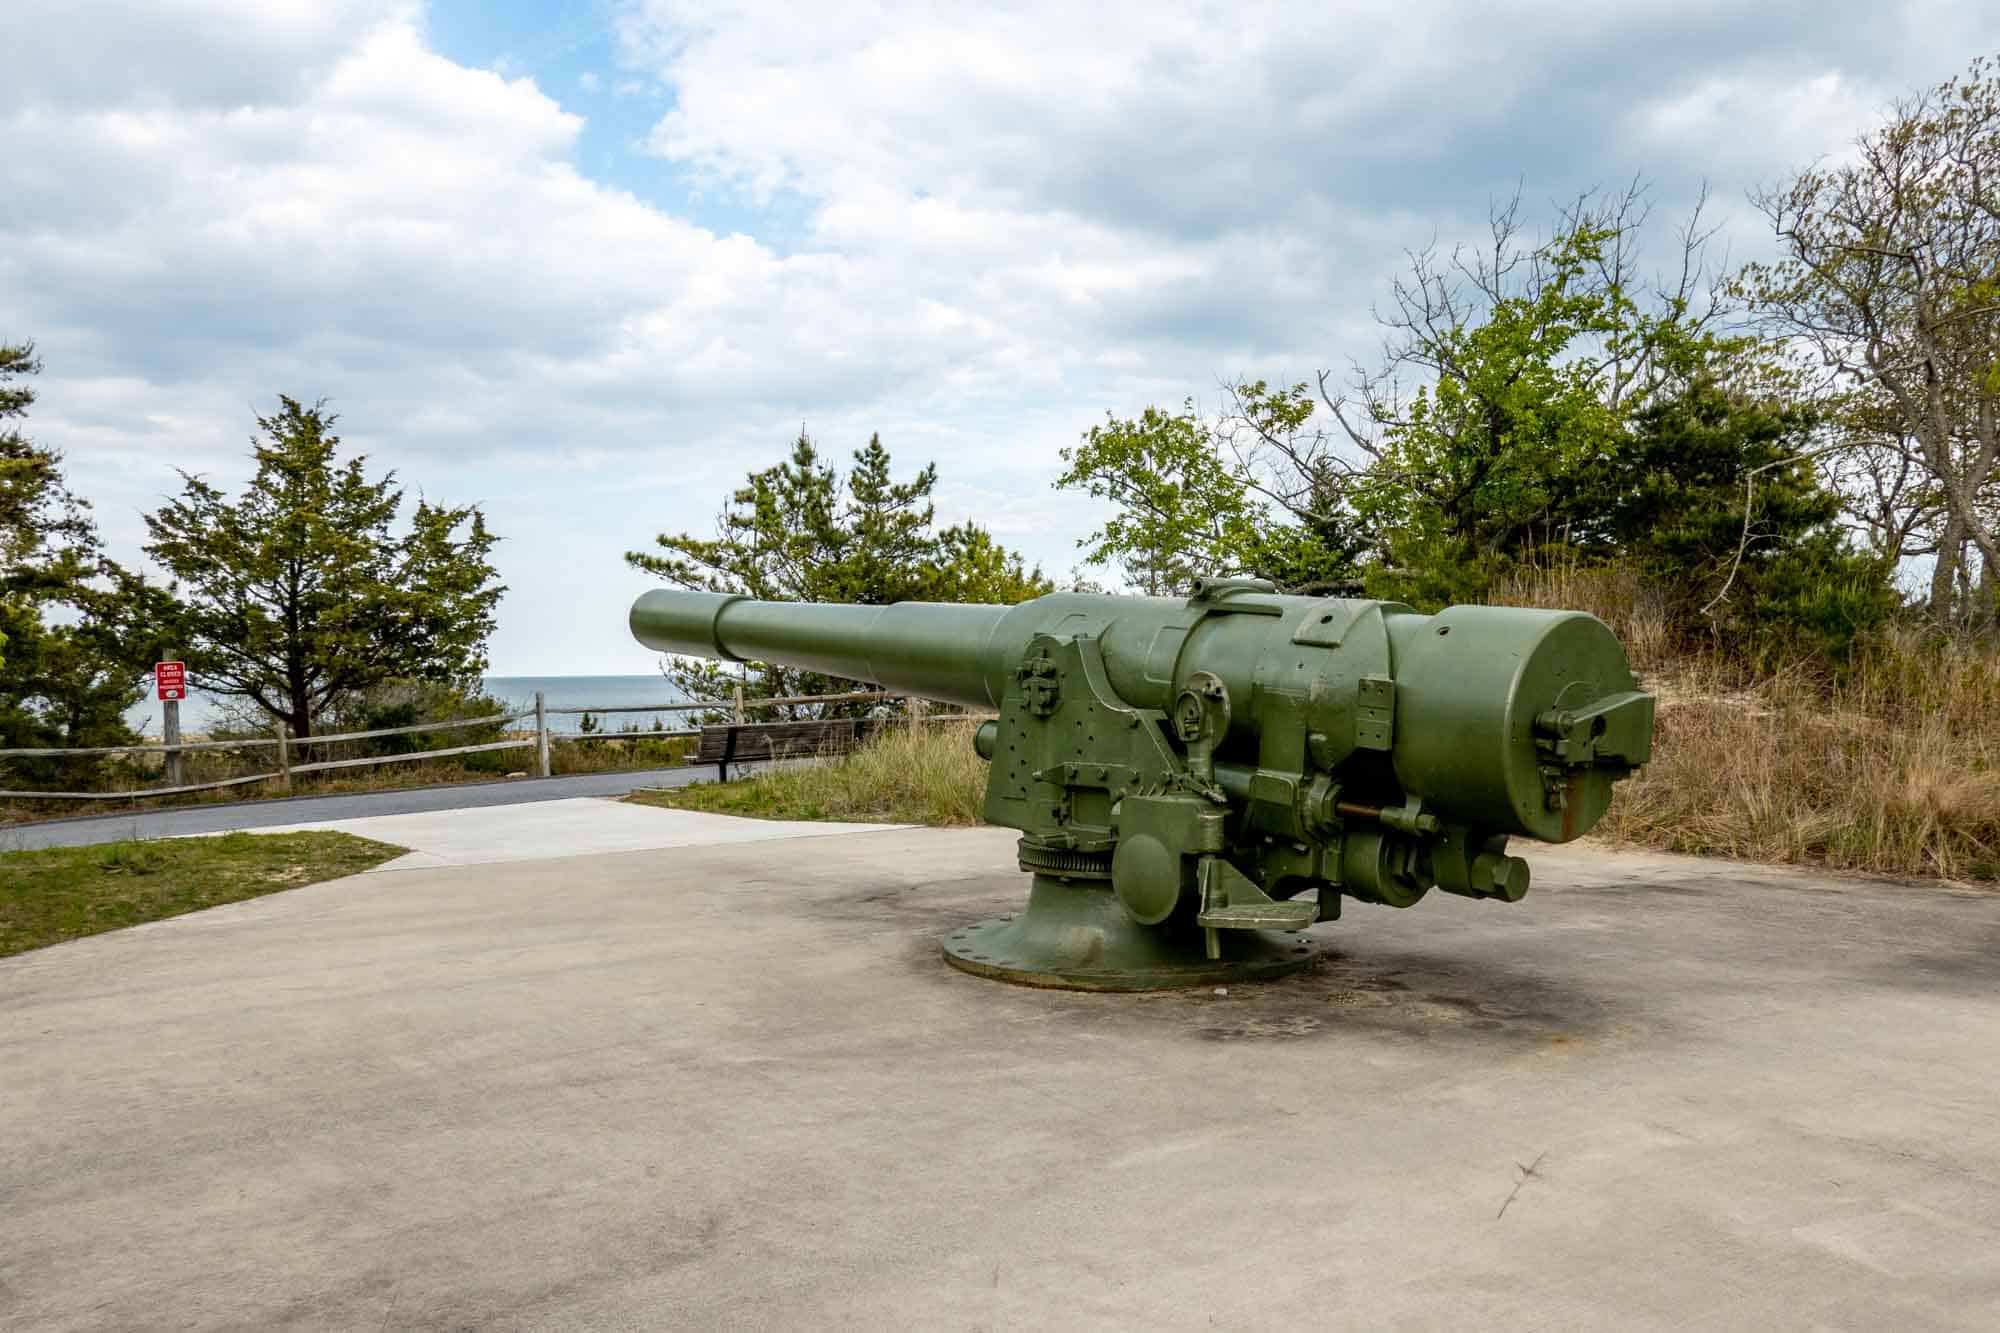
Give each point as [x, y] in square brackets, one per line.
[70, 669]
[800, 531]
[304, 591]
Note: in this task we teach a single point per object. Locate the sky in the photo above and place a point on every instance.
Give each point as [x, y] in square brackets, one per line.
[586, 264]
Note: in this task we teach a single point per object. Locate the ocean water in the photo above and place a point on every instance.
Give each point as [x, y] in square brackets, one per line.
[591, 692]
[200, 712]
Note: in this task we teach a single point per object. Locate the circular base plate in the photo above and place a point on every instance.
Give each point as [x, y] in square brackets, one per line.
[1080, 937]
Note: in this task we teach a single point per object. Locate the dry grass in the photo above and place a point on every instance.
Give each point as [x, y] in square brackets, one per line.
[630, 751]
[1891, 767]
[911, 775]
[1632, 607]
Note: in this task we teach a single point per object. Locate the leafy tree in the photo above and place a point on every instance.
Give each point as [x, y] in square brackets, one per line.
[1534, 402]
[1887, 497]
[1509, 387]
[1477, 453]
[303, 590]
[1192, 500]
[1563, 400]
[1309, 536]
[1891, 276]
[70, 673]
[801, 531]
[1510, 371]
[1181, 511]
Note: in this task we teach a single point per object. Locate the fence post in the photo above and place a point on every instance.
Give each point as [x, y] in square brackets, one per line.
[736, 711]
[170, 734]
[284, 755]
[541, 734]
[919, 709]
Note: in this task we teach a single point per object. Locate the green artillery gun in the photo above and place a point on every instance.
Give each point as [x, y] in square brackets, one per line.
[1197, 781]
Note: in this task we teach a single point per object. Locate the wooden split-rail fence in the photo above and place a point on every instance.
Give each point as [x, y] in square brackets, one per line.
[738, 741]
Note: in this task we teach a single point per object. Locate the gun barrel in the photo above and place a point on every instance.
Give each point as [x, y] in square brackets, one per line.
[941, 651]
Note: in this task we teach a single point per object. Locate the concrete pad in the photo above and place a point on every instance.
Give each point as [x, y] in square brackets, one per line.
[490, 835]
[734, 1086]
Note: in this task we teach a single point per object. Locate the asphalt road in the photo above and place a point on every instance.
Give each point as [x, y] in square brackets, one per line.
[734, 1086]
[171, 823]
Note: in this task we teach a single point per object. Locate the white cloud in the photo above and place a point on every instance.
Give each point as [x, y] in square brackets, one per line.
[1754, 120]
[1006, 223]
[187, 54]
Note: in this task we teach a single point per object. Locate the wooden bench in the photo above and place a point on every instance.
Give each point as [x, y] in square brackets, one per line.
[748, 742]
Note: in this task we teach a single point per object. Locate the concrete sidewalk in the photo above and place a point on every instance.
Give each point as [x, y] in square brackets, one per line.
[733, 1086]
[490, 835]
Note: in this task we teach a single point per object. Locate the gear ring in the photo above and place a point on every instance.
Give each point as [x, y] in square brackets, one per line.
[1064, 862]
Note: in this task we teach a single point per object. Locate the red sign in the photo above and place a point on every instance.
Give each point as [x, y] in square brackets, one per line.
[171, 677]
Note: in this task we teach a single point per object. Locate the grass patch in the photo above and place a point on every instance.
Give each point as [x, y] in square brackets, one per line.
[911, 775]
[64, 893]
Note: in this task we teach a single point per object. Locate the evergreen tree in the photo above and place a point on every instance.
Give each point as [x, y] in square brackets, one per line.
[304, 590]
[1714, 495]
[801, 531]
[70, 672]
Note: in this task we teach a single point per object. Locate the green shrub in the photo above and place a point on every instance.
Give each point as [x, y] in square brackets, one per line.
[404, 703]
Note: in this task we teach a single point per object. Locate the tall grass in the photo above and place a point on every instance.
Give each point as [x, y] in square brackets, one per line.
[1890, 764]
[1892, 767]
[1635, 609]
[917, 774]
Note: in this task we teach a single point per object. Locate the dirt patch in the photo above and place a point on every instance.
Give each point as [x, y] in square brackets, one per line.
[1399, 995]
[1972, 968]
[1384, 996]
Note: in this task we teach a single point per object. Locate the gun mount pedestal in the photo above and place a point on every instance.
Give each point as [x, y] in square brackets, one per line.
[1077, 935]
[1199, 780]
